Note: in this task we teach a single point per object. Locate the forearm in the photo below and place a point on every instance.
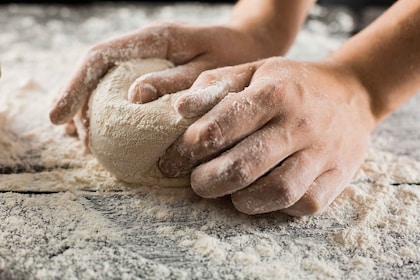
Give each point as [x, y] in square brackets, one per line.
[273, 23]
[386, 57]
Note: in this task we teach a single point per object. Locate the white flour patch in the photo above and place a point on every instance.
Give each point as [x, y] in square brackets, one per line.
[97, 227]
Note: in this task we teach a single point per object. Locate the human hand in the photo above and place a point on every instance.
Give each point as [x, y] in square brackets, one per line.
[287, 135]
[192, 49]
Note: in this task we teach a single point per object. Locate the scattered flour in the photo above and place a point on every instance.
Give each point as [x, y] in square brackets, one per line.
[9, 150]
[97, 227]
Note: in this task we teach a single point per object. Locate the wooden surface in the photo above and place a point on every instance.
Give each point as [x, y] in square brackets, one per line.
[58, 227]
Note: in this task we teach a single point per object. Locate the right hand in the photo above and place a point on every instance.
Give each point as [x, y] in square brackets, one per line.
[281, 134]
[193, 49]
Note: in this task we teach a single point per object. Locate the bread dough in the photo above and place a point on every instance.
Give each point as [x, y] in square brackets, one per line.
[128, 139]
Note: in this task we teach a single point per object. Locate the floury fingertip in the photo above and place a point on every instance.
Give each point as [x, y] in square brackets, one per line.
[142, 93]
[55, 116]
[60, 114]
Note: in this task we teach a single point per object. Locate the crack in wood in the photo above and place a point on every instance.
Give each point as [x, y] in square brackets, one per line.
[50, 192]
[33, 168]
[406, 183]
[30, 192]
[59, 252]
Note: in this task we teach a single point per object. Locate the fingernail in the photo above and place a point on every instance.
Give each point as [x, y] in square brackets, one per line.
[59, 114]
[142, 93]
[168, 168]
[187, 108]
[70, 129]
[180, 107]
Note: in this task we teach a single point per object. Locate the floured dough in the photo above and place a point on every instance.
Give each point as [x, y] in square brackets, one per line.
[128, 139]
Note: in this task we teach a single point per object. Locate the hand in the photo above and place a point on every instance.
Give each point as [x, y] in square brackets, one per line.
[286, 136]
[192, 49]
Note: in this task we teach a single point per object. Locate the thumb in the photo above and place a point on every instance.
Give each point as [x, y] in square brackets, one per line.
[81, 121]
[212, 86]
[154, 85]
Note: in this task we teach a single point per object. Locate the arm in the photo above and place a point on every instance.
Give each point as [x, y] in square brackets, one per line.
[273, 23]
[385, 57]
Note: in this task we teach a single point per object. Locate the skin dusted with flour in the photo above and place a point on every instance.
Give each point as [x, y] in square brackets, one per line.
[313, 110]
[128, 139]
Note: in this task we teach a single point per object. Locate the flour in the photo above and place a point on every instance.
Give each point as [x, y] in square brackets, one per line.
[97, 227]
[128, 138]
[9, 150]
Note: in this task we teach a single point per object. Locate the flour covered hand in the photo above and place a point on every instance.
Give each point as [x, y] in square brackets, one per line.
[256, 30]
[183, 45]
[289, 135]
[285, 135]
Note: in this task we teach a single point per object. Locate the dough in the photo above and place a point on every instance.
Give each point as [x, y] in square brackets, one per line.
[128, 139]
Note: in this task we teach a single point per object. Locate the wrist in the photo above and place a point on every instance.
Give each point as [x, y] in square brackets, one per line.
[354, 90]
[385, 58]
[272, 24]
[379, 105]
[267, 40]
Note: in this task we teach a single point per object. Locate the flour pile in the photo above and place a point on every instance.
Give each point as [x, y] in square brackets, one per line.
[63, 216]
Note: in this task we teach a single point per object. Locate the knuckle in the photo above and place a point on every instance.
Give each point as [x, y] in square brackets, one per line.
[244, 204]
[266, 95]
[314, 205]
[163, 28]
[211, 136]
[281, 95]
[286, 192]
[238, 172]
[305, 123]
[156, 32]
[95, 51]
[208, 76]
[160, 24]
[308, 205]
[98, 56]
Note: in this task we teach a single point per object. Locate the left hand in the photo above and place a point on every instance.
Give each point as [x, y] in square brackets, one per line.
[192, 49]
[286, 136]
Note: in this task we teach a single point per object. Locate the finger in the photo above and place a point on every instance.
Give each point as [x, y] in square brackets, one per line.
[151, 42]
[70, 128]
[211, 87]
[81, 121]
[283, 186]
[245, 163]
[151, 86]
[320, 194]
[228, 122]
[78, 89]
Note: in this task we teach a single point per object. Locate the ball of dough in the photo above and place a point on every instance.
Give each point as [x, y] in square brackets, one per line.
[128, 139]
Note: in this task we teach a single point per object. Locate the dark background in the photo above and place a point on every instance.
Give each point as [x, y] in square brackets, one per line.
[356, 7]
[354, 4]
